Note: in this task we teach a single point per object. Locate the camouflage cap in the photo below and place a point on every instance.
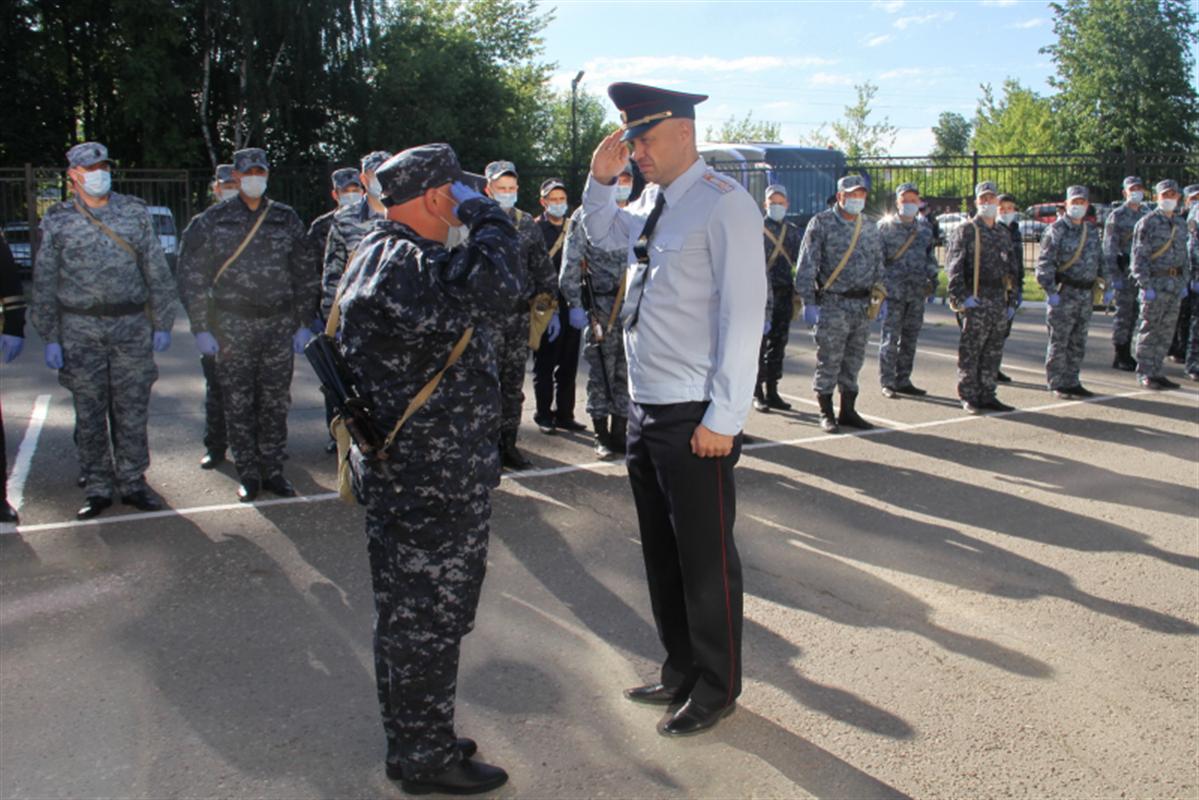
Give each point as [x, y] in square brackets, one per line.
[986, 187]
[87, 154]
[410, 173]
[550, 184]
[224, 173]
[1191, 190]
[1131, 181]
[906, 187]
[344, 177]
[250, 157]
[372, 161]
[773, 189]
[1077, 191]
[851, 183]
[497, 168]
[1168, 185]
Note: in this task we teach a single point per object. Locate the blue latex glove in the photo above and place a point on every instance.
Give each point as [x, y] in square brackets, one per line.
[1148, 295]
[1054, 299]
[317, 325]
[301, 337]
[971, 302]
[766, 327]
[882, 311]
[577, 319]
[162, 341]
[1107, 296]
[1117, 283]
[1195, 287]
[811, 315]
[1011, 313]
[554, 328]
[206, 344]
[54, 355]
[1183, 291]
[461, 192]
[10, 347]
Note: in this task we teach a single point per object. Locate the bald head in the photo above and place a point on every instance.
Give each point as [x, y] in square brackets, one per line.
[665, 151]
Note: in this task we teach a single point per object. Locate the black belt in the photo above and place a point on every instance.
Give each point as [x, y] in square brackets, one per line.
[1074, 283]
[852, 294]
[249, 310]
[105, 310]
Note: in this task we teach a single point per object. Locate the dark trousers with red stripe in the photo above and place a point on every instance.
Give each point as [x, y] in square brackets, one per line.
[685, 507]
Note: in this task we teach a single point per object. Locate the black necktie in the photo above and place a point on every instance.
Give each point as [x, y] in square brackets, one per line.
[641, 251]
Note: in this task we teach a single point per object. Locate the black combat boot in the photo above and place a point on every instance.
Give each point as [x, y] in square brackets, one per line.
[620, 432]
[850, 417]
[510, 457]
[772, 397]
[760, 399]
[1124, 360]
[603, 447]
[828, 418]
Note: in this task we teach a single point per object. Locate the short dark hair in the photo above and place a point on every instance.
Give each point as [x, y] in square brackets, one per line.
[1007, 198]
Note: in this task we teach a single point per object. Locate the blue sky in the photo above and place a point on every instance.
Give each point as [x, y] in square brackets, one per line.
[796, 62]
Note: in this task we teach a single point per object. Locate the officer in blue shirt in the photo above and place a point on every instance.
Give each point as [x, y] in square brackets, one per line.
[693, 321]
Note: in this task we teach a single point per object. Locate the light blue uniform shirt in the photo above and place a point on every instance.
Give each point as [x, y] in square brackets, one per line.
[700, 325]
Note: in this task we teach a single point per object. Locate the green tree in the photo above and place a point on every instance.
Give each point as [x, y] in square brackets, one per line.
[951, 135]
[854, 134]
[745, 130]
[1126, 75]
[555, 147]
[1020, 122]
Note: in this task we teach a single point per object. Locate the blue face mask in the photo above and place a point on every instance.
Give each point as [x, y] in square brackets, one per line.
[909, 210]
[854, 205]
[505, 199]
[556, 210]
[776, 211]
[623, 192]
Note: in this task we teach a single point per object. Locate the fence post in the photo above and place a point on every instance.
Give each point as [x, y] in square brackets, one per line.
[31, 212]
[974, 172]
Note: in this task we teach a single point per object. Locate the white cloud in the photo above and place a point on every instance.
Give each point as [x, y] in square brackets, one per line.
[889, 6]
[830, 79]
[923, 19]
[902, 72]
[875, 41]
[1035, 22]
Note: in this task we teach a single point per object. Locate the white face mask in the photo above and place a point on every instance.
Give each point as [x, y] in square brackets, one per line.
[776, 211]
[556, 210]
[226, 194]
[909, 210]
[854, 205]
[988, 210]
[505, 199]
[623, 192]
[1009, 217]
[458, 234]
[253, 185]
[97, 183]
[1136, 197]
[1167, 204]
[348, 198]
[1076, 212]
[374, 188]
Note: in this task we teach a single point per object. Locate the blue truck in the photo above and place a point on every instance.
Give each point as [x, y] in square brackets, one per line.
[809, 173]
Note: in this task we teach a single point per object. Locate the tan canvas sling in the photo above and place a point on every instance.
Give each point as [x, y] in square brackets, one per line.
[853, 243]
[903, 249]
[1165, 248]
[561, 240]
[244, 242]
[778, 246]
[1082, 242]
[118, 240]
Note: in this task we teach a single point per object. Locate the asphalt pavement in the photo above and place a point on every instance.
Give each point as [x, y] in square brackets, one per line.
[945, 607]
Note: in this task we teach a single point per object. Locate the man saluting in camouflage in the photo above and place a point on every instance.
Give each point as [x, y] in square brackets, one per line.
[249, 280]
[103, 298]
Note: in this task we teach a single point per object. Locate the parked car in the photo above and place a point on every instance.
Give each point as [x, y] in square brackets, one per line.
[1049, 212]
[948, 223]
[17, 236]
[168, 235]
[1031, 229]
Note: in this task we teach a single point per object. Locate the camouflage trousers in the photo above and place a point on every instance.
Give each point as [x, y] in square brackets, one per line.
[512, 352]
[1193, 335]
[1182, 330]
[901, 329]
[108, 366]
[215, 439]
[1068, 323]
[427, 564]
[980, 349]
[1128, 308]
[841, 336]
[774, 343]
[254, 368]
[1155, 331]
[607, 369]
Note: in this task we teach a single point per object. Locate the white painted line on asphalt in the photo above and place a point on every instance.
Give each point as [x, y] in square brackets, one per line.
[24, 460]
[595, 466]
[882, 420]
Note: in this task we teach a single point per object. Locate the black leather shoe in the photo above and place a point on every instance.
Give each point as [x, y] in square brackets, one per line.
[994, 404]
[142, 500]
[693, 718]
[889, 392]
[1002, 378]
[971, 407]
[656, 694]
[1151, 383]
[92, 507]
[544, 425]
[1064, 393]
[572, 425]
[81, 481]
[910, 389]
[1167, 383]
[212, 459]
[8, 514]
[1081, 391]
[331, 448]
[280, 486]
[464, 777]
[247, 492]
[467, 747]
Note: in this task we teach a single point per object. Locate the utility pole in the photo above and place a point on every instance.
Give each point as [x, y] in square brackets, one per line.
[574, 134]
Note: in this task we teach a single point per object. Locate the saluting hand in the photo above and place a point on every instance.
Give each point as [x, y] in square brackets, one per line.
[709, 444]
[609, 157]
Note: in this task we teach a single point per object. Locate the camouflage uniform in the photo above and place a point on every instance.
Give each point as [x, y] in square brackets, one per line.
[264, 296]
[607, 269]
[1117, 249]
[1069, 319]
[844, 328]
[980, 347]
[406, 302]
[91, 296]
[907, 282]
[537, 275]
[1168, 276]
[1192, 365]
[216, 441]
[349, 226]
[780, 297]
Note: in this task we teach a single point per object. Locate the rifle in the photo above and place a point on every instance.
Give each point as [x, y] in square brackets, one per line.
[597, 327]
[337, 384]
